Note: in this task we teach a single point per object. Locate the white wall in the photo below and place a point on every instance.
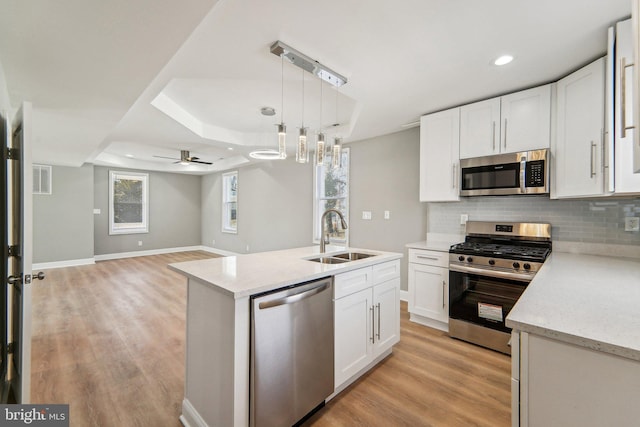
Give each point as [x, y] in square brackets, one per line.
[5, 104]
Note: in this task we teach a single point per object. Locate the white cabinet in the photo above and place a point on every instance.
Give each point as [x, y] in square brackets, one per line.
[635, 21]
[516, 122]
[577, 149]
[439, 156]
[367, 317]
[626, 182]
[429, 288]
[562, 384]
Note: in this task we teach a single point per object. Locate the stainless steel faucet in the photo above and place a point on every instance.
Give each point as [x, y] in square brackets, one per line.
[324, 235]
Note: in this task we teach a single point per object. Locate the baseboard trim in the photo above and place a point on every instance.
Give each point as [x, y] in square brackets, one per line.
[404, 295]
[120, 255]
[190, 417]
[61, 264]
[218, 251]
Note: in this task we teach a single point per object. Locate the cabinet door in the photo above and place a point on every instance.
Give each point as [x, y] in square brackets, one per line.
[386, 300]
[625, 180]
[429, 291]
[525, 120]
[635, 21]
[439, 156]
[577, 148]
[480, 128]
[353, 334]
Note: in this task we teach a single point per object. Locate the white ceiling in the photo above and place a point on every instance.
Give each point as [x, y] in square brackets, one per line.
[152, 77]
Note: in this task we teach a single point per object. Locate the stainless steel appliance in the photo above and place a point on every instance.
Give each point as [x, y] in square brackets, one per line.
[291, 353]
[487, 274]
[526, 172]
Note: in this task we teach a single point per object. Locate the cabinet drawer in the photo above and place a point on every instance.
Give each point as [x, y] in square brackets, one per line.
[386, 271]
[352, 281]
[435, 258]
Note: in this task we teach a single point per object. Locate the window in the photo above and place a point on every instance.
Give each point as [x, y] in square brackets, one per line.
[331, 190]
[41, 179]
[128, 202]
[230, 202]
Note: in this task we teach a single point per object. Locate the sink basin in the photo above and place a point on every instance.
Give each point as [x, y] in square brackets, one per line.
[329, 260]
[352, 256]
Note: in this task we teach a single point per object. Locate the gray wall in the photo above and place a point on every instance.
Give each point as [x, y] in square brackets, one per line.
[384, 176]
[592, 221]
[63, 220]
[174, 214]
[275, 208]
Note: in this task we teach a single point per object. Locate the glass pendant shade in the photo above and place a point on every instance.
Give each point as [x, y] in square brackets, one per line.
[282, 140]
[336, 155]
[302, 153]
[320, 150]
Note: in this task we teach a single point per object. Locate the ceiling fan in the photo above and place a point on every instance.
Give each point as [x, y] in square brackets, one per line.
[185, 158]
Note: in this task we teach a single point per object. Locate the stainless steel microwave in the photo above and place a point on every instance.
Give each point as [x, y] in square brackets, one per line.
[526, 172]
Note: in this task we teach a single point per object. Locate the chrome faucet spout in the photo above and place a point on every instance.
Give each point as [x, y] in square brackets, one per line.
[324, 236]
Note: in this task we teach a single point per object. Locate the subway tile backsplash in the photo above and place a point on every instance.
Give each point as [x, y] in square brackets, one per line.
[587, 221]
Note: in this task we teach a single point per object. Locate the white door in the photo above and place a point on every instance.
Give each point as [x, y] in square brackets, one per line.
[20, 178]
[480, 129]
[353, 334]
[580, 127]
[439, 152]
[386, 300]
[429, 292]
[525, 120]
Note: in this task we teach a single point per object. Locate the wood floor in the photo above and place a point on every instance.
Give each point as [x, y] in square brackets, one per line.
[108, 339]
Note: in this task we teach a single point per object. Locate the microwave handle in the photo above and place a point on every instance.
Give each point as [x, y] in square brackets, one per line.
[523, 169]
[453, 175]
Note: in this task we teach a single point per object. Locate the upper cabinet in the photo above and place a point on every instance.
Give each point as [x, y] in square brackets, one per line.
[635, 18]
[578, 143]
[439, 156]
[516, 122]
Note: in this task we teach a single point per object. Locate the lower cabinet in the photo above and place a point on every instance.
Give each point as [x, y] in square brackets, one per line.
[429, 288]
[367, 320]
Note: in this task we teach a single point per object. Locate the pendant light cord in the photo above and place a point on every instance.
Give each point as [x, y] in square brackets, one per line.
[282, 89]
[303, 98]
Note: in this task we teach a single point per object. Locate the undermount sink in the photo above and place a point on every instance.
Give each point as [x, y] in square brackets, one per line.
[341, 257]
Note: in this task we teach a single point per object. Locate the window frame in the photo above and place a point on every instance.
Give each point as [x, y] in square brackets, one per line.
[229, 198]
[130, 228]
[316, 198]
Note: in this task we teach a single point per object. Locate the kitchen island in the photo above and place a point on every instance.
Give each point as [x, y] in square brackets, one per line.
[576, 343]
[218, 321]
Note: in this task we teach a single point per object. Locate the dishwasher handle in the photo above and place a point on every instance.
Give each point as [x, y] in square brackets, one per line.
[290, 299]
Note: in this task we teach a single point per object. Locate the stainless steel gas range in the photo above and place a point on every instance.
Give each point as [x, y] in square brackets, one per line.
[487, 274]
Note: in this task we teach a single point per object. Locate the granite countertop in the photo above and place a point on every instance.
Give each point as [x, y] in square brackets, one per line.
[588, 300]
[243, 275]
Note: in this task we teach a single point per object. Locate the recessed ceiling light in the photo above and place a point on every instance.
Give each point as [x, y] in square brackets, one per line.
[230, 148]
[131, 156]
[503, 60]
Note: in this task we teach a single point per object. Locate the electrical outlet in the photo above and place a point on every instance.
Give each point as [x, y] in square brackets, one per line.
[213, 242]
[139, 242]
[387, 214]
[632, 223]
[366, 215]
[464, 218]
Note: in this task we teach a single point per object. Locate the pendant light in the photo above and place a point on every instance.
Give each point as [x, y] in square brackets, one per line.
[336, 151]
[282, 129]
[320, 147]
[302, 153]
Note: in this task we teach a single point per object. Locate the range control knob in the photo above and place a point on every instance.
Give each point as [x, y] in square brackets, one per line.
[469, 259]
[461, 258]
[516, 265]
[527, 266]
[492, 262]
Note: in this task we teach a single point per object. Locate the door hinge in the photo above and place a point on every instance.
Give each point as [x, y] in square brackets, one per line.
[12, 154]
[14, 250]
[11, 347]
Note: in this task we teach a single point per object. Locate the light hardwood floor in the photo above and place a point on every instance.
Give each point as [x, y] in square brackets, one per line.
[108, 339]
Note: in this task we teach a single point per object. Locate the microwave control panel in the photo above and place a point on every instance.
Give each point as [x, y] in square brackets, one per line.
[534, 173]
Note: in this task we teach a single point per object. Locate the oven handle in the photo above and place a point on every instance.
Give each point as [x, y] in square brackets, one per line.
[491, 273]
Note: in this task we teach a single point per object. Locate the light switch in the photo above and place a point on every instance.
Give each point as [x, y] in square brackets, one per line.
[387, 214]
[366, 214]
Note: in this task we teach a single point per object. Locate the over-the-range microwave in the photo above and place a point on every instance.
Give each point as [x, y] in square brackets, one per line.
[526, 172]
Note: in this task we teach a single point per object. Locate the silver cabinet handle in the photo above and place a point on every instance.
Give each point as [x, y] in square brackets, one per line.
[505, 133]
[493, 135]
[293, 298]
[373, 322]
[378, 334]
[623, 97]
[444, 285]
[592, 166]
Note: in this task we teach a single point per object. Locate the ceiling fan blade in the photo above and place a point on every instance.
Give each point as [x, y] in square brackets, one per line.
[163, 157]
[199, 161]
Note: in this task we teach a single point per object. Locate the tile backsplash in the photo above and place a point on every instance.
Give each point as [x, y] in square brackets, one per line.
[587, 221]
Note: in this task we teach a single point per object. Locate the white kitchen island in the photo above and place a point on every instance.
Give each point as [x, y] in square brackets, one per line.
[218, 321]
[576, 344]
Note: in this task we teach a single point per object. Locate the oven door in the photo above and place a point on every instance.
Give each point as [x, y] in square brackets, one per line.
[483, 300]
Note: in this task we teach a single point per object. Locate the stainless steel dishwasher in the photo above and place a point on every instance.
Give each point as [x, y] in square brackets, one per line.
[291, 352]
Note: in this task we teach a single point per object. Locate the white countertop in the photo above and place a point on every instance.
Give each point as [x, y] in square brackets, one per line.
[244, 275]
[588, 300]
[437, 242]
